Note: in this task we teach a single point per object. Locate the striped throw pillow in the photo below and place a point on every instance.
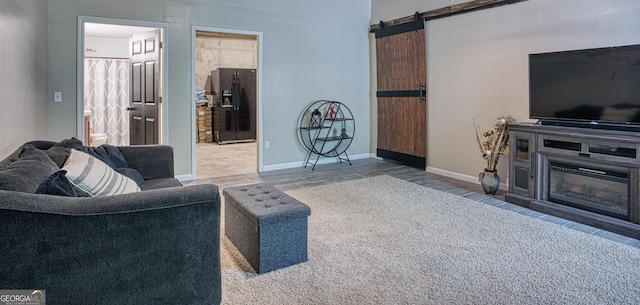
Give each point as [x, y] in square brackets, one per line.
[91, 177]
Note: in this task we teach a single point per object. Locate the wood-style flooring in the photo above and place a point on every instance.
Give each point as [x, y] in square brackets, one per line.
[297, 178]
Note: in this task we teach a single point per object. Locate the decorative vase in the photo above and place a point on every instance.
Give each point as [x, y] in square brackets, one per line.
[490, 181]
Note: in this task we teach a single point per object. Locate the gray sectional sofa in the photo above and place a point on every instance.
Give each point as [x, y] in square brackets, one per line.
[159, 245]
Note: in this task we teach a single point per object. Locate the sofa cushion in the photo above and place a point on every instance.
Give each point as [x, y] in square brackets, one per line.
[131, 173]
[57, 184]
[160, 183]
[92, 177]
[27, 172]
[112, 156]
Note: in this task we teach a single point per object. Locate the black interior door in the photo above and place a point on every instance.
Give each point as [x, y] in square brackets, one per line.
[144, 98]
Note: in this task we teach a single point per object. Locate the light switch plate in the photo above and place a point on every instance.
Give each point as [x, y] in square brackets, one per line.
[57, 97]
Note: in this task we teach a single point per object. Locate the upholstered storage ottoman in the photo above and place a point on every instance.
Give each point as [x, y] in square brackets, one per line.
[266, 225]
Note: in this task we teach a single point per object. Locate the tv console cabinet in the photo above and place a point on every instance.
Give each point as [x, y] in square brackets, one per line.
[591, 176]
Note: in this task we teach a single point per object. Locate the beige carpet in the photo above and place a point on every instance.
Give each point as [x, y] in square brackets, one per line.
[382, 240]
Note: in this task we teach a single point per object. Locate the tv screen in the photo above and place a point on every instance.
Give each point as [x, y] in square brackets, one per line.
[592, 86]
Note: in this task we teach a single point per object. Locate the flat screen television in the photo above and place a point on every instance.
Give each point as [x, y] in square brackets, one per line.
[586, 88]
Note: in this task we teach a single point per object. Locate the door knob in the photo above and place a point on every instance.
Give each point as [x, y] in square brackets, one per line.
[131, 108]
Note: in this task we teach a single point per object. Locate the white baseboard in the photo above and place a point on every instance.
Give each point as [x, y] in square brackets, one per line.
[188, 177]
[323, 160]
[467, 178]
[375, 156]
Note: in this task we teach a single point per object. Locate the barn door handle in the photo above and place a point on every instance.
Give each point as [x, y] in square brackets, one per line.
[131, 108]
[422, 96]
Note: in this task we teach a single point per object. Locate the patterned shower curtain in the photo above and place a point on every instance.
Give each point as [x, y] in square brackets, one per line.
[106, 95]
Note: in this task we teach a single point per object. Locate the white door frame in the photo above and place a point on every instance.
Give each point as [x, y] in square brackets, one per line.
[193, 88]
[164, 136]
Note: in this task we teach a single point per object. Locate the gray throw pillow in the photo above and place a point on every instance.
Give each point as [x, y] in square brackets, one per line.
[28, 172]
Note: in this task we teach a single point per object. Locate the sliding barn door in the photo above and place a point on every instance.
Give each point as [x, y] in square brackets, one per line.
[401, 93]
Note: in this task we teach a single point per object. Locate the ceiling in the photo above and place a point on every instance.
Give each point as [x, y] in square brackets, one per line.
[102, 30]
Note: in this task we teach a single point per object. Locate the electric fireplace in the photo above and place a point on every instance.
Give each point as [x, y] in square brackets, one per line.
[596, 190]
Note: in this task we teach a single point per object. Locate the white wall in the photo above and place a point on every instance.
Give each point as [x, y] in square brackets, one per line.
[312, 50]
[23, 73]
[478, 68]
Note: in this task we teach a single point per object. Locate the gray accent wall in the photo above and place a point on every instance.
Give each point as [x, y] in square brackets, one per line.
[312, 50]
[23, 73]
[477, 64]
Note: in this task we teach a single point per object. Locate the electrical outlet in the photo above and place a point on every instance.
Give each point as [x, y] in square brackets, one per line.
[57, 97]
[266, 144]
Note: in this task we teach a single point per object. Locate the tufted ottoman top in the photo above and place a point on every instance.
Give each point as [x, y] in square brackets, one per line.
[264, 204]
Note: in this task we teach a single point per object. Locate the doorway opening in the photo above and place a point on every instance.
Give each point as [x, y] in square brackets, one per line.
[226, 65]
[106, 93]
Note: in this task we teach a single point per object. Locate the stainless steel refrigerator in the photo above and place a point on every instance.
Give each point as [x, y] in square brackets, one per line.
[234, 107]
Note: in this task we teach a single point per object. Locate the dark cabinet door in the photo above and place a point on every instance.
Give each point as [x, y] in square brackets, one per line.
[227, 125]
[227, 114]
[246, 109]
